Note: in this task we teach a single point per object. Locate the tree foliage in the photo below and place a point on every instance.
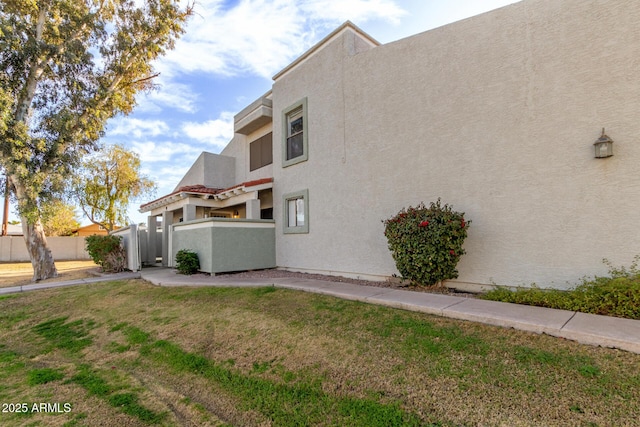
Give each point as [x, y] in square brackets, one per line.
[59, 218]
[107, 251]
[66, 67]
[108, 182]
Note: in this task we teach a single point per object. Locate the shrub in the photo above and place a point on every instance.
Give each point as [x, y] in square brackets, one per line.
[187, 262]
[107, 252]
[426, 243]
[615, 295]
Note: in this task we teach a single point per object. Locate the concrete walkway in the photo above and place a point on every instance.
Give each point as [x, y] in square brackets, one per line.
[585, 328]
[48, 285]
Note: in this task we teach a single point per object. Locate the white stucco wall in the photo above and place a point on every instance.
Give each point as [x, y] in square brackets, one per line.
[496, 115]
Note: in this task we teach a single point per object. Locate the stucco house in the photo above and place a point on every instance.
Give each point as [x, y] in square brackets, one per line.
[91, 230]
[496, 114]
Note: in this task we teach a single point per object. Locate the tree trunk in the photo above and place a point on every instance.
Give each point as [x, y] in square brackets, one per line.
[42, 261]
[41, 258]
[5, 216]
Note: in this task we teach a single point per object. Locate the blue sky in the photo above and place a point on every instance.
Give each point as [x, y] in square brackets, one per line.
[226, 59]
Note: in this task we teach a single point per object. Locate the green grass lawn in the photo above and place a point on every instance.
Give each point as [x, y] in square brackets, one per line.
[128, 353]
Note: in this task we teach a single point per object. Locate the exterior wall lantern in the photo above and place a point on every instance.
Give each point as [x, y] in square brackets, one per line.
[604, 146]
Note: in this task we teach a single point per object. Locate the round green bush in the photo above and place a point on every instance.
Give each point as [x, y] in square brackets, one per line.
[187, 262]
[107, 252]
[426, 242]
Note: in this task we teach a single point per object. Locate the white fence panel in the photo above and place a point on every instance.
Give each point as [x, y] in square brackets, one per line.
[131, 243]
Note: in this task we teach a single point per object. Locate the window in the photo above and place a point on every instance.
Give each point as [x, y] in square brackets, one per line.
[295, 146]
[295, 134]
[296, 212]
[261, 152]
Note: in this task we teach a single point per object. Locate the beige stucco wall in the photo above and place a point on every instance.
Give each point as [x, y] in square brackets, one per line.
[211, 170]
[238, 148]
[496, 115]
[14, 249]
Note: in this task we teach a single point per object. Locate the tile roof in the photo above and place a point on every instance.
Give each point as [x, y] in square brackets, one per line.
[202, 189]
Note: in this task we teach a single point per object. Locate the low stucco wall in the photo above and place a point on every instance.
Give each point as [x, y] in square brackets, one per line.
[14, 249]
[225, 245]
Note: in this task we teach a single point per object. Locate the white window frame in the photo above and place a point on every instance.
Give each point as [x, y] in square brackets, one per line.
[293, 112]
[292, 214]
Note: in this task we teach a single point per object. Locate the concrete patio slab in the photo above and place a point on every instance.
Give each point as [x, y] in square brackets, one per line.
[605, 331]
[169, 278]
[416, 301]
[523, 317]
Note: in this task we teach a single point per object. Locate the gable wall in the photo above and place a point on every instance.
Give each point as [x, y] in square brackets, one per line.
[497, 115]
[211, 170]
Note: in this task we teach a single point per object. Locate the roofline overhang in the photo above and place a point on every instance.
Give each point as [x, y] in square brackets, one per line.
[237, 190]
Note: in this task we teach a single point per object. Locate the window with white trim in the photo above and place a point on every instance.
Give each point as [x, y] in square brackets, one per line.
[296, 212]
[295, 145]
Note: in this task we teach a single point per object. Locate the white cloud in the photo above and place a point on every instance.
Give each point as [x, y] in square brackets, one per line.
[215, 133]
[263, 36]
[168, 177]
[137, 128]
[151, 152]
[353, 10]
[169, 95]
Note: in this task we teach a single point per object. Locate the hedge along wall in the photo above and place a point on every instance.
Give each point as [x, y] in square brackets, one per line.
[14, 249]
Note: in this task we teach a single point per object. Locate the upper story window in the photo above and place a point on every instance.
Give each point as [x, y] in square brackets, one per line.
[295, 134]
[261, 152]
[295, 145]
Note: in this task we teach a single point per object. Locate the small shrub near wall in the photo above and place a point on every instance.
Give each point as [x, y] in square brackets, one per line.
[107, 252]
[426, 242]
[187, 262]
[617, 294]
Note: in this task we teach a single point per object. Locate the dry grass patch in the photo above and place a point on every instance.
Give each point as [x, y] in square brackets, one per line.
[267, 356]
[20, 273]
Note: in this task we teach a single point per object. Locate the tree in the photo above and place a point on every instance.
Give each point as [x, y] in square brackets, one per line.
[59, 218]
[108, 182]
[66, 67]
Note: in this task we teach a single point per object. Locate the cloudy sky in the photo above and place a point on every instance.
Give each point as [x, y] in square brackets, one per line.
[227, 58]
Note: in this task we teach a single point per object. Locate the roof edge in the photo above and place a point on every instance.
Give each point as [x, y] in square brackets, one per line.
[347, 25]
[202, 190]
